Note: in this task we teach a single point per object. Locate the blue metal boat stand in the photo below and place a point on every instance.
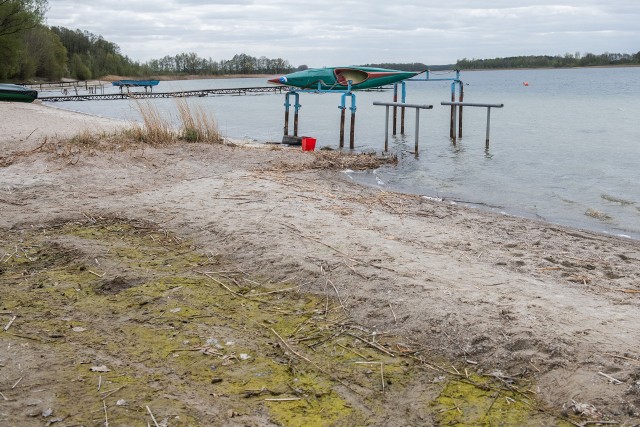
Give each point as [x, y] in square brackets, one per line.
[343, 107]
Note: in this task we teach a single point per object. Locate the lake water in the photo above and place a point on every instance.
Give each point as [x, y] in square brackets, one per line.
[564, 149]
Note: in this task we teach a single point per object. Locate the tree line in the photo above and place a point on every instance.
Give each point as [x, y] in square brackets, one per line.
[30, 49]
[544, 61]
[192, 64]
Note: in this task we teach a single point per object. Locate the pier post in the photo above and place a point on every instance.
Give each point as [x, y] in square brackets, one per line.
[452, 120]
[475, 104]
[402, 105]
[404, 96]
[395, 109]
[342, 117]
[486, 143]
[286, 113]
[352, 130]
[386, 129]
[460, 98]
[287, 105]
[343, 111]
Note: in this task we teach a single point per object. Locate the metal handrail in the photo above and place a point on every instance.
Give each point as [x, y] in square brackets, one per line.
[418, 107]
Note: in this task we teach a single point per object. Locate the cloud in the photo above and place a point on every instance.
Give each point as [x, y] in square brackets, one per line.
[355, 31]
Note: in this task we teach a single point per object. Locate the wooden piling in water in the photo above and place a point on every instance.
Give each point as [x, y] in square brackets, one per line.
[475, 104]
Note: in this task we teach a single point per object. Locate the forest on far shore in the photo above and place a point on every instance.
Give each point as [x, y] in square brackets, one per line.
[30, 50]
[545, 61]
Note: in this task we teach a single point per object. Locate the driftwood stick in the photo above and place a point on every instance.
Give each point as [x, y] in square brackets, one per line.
[352, 350]
[623, 357]
[231, 291]
[334, 288]
[395, 319]
[6, 328]
[610, 378]
[373, 344]
[3, 396]
[152, 417]
[109, 393]
[283, 399]
[288, 347]
[106, 418]
[17, 382]
[96, 274]
[293, 288]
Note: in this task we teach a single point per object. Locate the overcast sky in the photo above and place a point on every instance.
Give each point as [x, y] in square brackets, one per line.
[347, 32]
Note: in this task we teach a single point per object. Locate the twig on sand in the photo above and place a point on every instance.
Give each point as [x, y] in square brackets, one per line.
[623, 357]
[8, 325]
[3, 396]
[106, 418]
[352, 351]
[373, 344]
[283, 399]
[110, 392]
[334, 288]
[610, 378]
[39, 147]
[395, 319]
[152, 417]
[17, 382]
[300, 356]
[231, 291]
[96, 274]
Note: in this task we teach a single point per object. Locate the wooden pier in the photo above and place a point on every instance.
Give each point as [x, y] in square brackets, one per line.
[181, 94]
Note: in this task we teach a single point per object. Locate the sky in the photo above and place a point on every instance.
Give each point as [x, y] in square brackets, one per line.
[350, 32]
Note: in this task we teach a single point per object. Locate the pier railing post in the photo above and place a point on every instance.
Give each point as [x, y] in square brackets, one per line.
[342, 117]
[286, 113]
[403, 105]
[486, 143]
[475, 104]
[386, 130]
[395, 108]
[460, 98]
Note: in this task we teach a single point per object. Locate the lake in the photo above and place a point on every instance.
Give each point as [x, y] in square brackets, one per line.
[564, 149]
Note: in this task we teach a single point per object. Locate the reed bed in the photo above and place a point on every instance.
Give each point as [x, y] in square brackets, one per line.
[196, 125]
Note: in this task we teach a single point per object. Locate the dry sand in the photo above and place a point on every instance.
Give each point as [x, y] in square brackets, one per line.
[488, 291]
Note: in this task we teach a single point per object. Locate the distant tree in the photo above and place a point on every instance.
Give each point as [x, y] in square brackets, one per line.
[17, 17]
[46, 57]
[190, 63]
[416, 66]
[79, 70]
[302, 68]
[568, 60]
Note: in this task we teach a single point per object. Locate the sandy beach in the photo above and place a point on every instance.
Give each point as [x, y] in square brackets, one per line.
[473, 291]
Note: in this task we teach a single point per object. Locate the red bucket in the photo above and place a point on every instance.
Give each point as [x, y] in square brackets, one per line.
[308, 144]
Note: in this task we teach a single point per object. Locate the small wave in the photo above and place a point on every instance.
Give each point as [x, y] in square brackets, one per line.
[614, 199]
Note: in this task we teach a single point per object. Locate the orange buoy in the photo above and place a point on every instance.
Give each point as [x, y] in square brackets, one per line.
[525, 83]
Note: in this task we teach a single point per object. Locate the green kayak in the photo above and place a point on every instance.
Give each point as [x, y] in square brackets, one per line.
[337, 78]
[15, 93]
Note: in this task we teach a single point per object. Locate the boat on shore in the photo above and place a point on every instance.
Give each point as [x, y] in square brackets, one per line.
[338, 78]
[16, 93]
